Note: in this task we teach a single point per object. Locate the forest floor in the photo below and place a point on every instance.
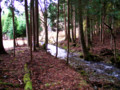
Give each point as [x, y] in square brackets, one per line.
[47, 72]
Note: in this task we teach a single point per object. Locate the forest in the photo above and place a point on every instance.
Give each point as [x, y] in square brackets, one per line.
[59, 45]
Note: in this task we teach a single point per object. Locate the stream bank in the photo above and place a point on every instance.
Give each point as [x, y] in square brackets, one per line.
[99, 74]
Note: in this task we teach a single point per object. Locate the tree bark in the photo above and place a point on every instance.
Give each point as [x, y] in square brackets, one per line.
[88, 31]
[74, 23]
[46, 27]
[57, 30]
[65, 21]
[37, 22]
[13, 19]
[31, 27]
[84, 49]
[68, 46]
[73, 40]
[2, 50]
[27, 23]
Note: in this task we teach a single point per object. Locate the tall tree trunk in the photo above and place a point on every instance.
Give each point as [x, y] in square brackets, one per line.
[37, 22]
[88, 31]
[103, 20]
[84, 49]
[2, 50]
[111, 41]
[74, 23]
[101, 30]
[13, 19]
[101, 25]
[79, 37]
[31, 27]
[68, 46]
[27, 23]
[73, 40]
[65, 21]
[91, 33]
[57, 30]
[46, 27]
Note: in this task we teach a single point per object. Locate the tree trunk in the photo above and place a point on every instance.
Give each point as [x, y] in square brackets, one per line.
[27, 23]
[84, 49]
[46, 27]
[73, 40]
[37, 23]
[65, 21]
[31, 22]
[91, 33]
[68, 46]
[74, 23]
[103, 19]
[112, 25]
[88, 31]
[13, 26]
[57, 30]
[2, 50]
[33, 28]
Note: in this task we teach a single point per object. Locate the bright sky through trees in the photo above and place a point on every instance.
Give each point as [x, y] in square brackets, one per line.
[20, 6]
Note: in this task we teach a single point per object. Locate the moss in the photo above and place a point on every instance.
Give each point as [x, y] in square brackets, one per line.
[26, 79]
[25, 68]
[28, 85]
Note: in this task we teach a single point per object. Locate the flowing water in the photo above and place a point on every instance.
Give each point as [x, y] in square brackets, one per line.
[98, 68]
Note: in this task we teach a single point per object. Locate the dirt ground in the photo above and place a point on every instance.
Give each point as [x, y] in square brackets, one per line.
[47, 72]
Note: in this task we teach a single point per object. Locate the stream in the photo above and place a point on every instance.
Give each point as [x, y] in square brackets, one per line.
[96, 70]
